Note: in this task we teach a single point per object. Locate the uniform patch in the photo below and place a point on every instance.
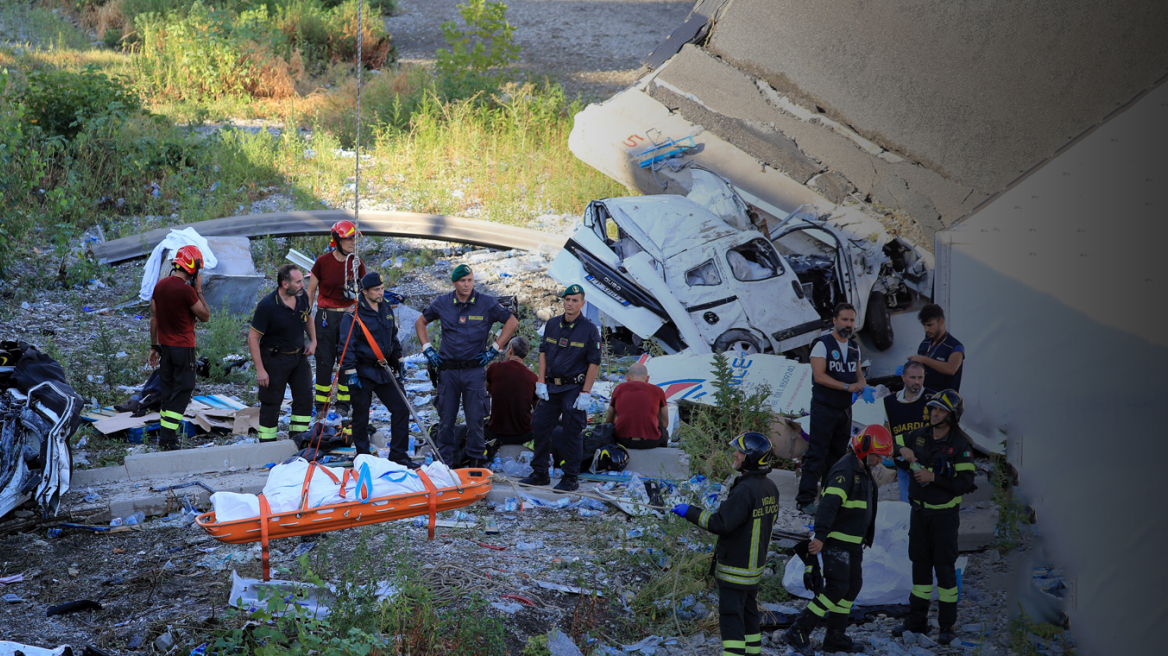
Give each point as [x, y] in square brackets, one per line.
[549, 340]
[580, 344]
[563, 342]
[948, 451]
[835, 354]
[475, 318]
[462, 320]
[920, 441]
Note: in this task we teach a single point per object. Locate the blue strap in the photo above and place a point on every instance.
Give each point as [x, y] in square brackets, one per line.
[364, 484]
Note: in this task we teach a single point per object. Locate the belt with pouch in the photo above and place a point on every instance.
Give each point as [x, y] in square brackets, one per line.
[458, 364]
[275, 351]
[578, 379]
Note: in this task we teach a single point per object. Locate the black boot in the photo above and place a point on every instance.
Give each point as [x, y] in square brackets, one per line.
[569, 483]
[947, 636]
[536, 478]
[798, 636]
[837, 640]
[919, 626]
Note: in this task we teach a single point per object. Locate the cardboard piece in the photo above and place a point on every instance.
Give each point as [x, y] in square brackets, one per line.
[245, 420]
[124, 421]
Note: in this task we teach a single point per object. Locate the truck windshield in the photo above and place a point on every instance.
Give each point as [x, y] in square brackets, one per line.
[754, 260]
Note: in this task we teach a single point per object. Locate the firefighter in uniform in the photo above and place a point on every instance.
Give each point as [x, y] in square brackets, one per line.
[280, 356]
[466, 316]
[941, 461]
[336, 276]
[743, 525]
[844, 524]
[836, 376]
[569, 359]
[176, 303]
[372, 347]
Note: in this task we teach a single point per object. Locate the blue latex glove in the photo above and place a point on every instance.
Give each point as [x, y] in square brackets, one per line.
[432, 356]
[869, 394]
[889, 463]
[900, 370]
[487, 356]
[680, 510]
[541, 391]
[353, 380]
[583, 402]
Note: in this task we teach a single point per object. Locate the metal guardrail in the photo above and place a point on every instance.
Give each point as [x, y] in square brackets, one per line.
[375, 224]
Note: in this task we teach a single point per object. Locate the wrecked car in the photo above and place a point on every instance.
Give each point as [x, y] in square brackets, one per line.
[703, 272]
[39, 411]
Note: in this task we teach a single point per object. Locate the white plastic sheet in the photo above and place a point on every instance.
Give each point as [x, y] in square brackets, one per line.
[286, 480]
[232, 506]
[174, 241]
[441, 475]
[246, 593]
[887, 569]
[11, 648]
[388, 478]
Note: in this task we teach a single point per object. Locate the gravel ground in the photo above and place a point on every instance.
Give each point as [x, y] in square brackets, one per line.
[593, 47]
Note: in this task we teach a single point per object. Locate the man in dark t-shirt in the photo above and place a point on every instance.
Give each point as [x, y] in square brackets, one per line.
[280, 354]
[639, 412]
[512, 388]
[176, 303]
[940, 352]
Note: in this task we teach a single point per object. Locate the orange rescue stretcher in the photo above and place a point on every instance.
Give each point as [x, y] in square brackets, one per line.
[476, 483]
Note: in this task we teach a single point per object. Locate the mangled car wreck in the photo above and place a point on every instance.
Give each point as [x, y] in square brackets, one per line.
[38, 414]
[705, 271]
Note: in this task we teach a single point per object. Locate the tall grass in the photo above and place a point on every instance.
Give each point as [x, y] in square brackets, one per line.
[38, 27]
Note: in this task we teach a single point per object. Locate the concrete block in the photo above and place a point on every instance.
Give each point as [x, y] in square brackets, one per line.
[977, 529]
[86, 477]
[662, 462]
[788, 485]
[172, 464]
[129, 500]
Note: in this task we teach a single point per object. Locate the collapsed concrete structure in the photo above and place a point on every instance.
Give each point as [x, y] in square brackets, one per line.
[1026, 140]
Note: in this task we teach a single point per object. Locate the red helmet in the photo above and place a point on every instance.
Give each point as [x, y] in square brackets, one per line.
[873, 439]
[342, 230]
[189, 258]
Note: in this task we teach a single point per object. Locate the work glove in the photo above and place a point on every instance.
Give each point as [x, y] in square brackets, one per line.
[352, 379]
[432, 356]
[487, 356]
[541, 391]
[583, 402]
[869, 394]
[680, 510]
[812, 579]
[900, 370]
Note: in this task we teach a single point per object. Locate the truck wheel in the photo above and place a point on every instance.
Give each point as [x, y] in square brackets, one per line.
[737, 339]
[878, 322]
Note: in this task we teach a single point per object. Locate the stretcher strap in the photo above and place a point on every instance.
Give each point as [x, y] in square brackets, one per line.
[364, 484]
[432, 495]
[308, 480]
[265, 511]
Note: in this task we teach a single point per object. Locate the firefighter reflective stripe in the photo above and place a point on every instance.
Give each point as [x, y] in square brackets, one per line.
[754, 644]
[844, 606]
[844, 537]
[739, 575]
[956, 501]
[806, 569]
[267, 433]
[855, 504]
[923, 591]
[733, 647]
[821, 605]
[170, 419]
[342, 393]
[836, 491]
[964, 466]
[947, 595]
[704, 519]
[299, 423]
[899, 440]
[754, 542]
[322, 393]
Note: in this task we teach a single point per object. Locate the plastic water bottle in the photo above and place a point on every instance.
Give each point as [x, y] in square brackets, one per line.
[136, 518]
[413, 445]
[429, 460]
[497, 464]
[117, 521]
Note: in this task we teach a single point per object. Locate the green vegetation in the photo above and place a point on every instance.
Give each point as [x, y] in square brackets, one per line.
[1011, 514]
[116, 138]
[225, 334]
[1027, 635]
[707, 433]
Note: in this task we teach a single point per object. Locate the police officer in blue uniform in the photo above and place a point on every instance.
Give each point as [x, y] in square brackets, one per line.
[942, 355]
[466, 316]
[364, 372]
[836, 375]
[569, 359]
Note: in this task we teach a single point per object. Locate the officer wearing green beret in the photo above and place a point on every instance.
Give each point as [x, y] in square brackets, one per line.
[466, 317]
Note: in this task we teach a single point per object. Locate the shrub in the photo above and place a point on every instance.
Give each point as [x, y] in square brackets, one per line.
[477, 57]
[62, 103]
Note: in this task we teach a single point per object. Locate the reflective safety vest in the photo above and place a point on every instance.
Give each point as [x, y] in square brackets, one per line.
[951, 461]
[743, 525]
[847, 508]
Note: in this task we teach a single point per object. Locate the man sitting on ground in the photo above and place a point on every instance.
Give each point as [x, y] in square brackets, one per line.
[639, 411]
[512, 388]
